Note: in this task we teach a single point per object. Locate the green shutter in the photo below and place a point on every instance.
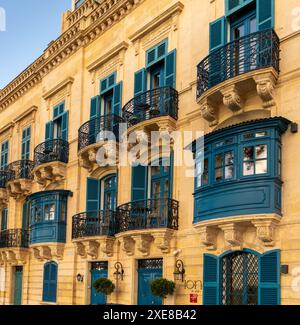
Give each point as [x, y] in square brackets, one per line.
[210, 280]
[117, 99]
[265, 14]
[58, 110]
[140, 82]
[107, 83]
[170, 69]
[92, 195]
[4, 219]
[64, 126]
[50, 282]
[4, 154]
[49, 131]
[269, 278]
[139, 184]
[25, 215]
[26, 134]
[95, 108]
[218, 33]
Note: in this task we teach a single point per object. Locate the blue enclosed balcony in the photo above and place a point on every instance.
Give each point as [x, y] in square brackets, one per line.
[48, 219]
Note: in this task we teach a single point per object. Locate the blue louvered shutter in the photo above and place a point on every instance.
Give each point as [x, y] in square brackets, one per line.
[139, 183]
[265, 14]
[26, 135]
[4, 154]
[50, 282]
[95, 109]
[4, 219]
[269, 278]
[64, 125]
[170, 69]
[25, 215]
[140, 82]
[49, 131]
[92, 195]
[210, 280]
[218, 33]
[117, 99]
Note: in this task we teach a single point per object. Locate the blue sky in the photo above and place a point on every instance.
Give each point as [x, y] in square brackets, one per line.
[30, 26]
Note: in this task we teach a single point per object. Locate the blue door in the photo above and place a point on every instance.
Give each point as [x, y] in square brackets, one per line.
[148, 270]
[18, 285]
[98, 270]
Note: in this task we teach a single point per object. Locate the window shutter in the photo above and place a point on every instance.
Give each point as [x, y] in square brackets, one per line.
[4, 154]
[140, 82]
[210, 280]
[117, 99]
[4, 219]
[95, 108]
[218, 33]
[269, 278]
[49, 131]
[139, 183]
[25, 215]
[92, 195]
[64, 126]
[265, 14]
[26, 143]
[170, 69]
[151, 56]
[50, 282]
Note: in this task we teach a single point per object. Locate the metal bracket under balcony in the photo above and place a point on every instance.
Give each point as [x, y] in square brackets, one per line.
[19, 178]
[92, 233]
[50, 159]
[3, 190]
[232, 73]
[153, 110]
[141, 224]
[14, 246]
[103, 133]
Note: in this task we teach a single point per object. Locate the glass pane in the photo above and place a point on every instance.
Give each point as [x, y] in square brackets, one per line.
[248, 168]
[49, 212]
[261, 167]
[261, 152]
[155, 170]
[218, 161]
[219, 174]
[253, 26]
[248, 153]
[229, 172]
[229, 158]
[156, 190]
[205, 172]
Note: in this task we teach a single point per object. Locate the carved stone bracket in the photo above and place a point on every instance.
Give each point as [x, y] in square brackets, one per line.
[143, 243]
[209, 112]
[92, 248]
[232, 98]
[265, 85]
[233, 235]
[265, 231]
[208, 237]
[80, 249]
[19, 188]
[51, 172]
[48, 251]
[107, 246]
[128, 245]
[3, 197]
[162, 240]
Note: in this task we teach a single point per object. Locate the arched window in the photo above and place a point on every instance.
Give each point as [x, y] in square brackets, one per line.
[50, 282]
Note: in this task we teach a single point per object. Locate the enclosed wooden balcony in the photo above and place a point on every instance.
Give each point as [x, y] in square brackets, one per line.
[94, 230]
[96, 133]
[19, 178]
[140, 223]
[50, 159]
[246, 65]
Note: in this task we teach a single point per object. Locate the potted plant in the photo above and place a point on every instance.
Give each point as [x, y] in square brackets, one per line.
[104, 286]
[162, 287]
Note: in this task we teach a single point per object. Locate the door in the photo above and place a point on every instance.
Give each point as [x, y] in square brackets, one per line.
[157, 95]
[109, 193]
[244, 49]
[98, 271]
[148, 270]
[18, 285]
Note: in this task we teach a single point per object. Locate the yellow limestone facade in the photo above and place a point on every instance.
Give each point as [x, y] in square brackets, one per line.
[102, 37]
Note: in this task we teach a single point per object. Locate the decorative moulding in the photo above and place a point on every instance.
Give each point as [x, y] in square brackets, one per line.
[65, 83]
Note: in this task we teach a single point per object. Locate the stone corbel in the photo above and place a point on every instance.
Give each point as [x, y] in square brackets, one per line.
[143, 243]
[58, 172]
[163, 240]
[80, 249]
[209, 112]
[265, 85]
[128, 245]
[58, 251]
[25, 185]
[85, 163]
[45, 174]
[92, 153]
[3, 196]
[11, 257]
[107, 246]
[265, 231]
[208, 237]
[92, 248]
[232, 99]
[233, 235]
[168, 125]
[42, 253]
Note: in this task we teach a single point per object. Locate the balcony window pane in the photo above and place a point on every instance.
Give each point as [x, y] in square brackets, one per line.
[205, 172]
[261, 152]
[248, 153]
[218, 161]
[248, 168]
[261, 167]
[219, 174]
[49, 212]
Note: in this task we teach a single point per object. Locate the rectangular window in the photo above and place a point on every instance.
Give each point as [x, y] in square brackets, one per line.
[201, 171]
[4, 154]
[255, 160]
[224, 166]
[49, 212]
[26, 135]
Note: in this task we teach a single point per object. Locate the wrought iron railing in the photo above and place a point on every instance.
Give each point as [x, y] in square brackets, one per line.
[21, 169]
[3, 178]
[252, 52]
[147, 214]
[90, 132]
[95, 223]
[14, 238]
[150, 104]
[52, 150]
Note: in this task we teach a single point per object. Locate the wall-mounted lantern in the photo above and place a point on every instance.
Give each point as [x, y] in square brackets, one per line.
[119, 273]
[179, 271]
[79, 277]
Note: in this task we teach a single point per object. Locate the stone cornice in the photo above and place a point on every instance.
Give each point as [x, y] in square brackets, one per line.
[107, 56]
[29, 111]
[7, 128]
[79, 35]
[57, 88]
